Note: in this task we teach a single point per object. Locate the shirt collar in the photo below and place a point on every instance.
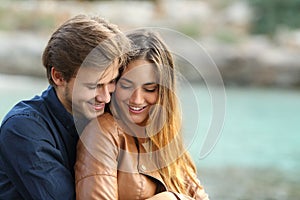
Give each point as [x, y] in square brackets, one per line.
[57, 108]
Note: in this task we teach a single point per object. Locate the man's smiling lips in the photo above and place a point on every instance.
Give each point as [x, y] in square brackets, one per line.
[97, 106]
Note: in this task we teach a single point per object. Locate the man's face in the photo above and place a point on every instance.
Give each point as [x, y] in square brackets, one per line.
[86, 94]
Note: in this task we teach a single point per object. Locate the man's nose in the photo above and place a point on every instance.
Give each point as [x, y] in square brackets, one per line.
[103, 94]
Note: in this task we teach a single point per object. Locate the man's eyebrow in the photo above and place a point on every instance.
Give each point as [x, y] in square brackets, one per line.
[94, 84]
[90, 83]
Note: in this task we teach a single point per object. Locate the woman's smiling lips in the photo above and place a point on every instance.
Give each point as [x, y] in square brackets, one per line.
[136, 110]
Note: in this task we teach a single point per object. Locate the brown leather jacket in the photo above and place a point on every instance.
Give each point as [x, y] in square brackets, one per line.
[110, 165]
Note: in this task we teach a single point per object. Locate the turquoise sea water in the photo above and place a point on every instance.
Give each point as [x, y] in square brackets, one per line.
[257, 155]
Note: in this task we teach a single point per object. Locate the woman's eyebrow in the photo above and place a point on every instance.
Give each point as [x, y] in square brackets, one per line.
[125, 79]
[130, 81]
[150, 83]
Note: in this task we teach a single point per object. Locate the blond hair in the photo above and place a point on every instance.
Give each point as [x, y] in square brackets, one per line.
[173, 161]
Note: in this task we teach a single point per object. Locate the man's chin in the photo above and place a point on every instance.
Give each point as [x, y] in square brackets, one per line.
[95, 114]
[88, 115]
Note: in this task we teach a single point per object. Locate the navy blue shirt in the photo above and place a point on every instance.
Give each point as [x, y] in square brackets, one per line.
[38, 150]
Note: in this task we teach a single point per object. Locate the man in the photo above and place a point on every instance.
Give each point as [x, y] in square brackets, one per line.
[38, 137]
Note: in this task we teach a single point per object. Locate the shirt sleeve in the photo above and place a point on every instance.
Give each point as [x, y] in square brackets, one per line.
[32, 161]
[96, 164]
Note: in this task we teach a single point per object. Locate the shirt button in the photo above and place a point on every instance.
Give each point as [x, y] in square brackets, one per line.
[142, 168]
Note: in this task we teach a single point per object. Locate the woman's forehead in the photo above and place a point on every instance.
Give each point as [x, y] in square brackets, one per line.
[140, 71]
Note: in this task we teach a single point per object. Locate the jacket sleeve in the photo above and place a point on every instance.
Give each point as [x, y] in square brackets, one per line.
[31, 160]
[96, 164]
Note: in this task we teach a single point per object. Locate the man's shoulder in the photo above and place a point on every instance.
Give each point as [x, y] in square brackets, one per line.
[26, 113]
[35, 108]
[26, 108]
[28, 119]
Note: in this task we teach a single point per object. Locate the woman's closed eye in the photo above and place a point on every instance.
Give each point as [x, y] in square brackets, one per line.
[150, 88]
[125, 85]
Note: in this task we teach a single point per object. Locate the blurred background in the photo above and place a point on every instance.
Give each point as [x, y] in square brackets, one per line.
[254, 43]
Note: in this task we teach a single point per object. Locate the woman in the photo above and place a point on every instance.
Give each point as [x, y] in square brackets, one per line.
[137, 151]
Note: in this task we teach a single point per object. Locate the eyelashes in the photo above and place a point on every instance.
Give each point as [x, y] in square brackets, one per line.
[146, 88]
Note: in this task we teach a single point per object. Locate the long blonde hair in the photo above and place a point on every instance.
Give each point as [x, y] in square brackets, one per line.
[173, 161]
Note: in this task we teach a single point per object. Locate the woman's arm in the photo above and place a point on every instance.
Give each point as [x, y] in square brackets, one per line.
[201, 195]
[163, 195]
[96, 164]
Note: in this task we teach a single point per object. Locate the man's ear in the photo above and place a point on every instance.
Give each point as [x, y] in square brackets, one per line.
[57, 77]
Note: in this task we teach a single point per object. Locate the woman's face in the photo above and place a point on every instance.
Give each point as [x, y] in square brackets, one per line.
[137, 91]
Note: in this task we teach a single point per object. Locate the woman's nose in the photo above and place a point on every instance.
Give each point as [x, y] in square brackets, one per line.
[137, 97]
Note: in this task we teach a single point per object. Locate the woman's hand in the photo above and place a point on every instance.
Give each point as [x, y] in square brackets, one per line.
[163, 195]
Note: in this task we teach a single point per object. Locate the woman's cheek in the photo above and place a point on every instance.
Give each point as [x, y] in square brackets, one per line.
[122, 94]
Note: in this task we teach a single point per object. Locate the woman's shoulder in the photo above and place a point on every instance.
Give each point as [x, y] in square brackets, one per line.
[102, 126]
[106, 120]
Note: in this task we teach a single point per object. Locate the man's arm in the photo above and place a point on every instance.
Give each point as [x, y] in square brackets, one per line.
[32, 161]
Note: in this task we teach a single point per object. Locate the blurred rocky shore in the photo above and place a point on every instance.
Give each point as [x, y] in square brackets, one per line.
[222, 30]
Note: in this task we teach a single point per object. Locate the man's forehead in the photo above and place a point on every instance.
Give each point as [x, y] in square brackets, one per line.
[111, 72]
[98, 75]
